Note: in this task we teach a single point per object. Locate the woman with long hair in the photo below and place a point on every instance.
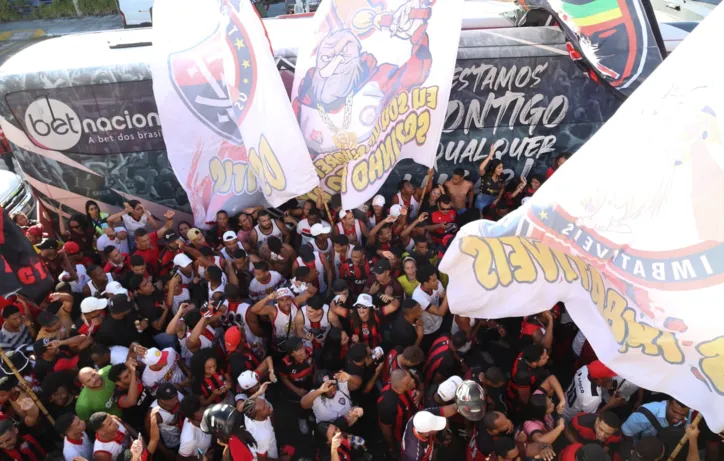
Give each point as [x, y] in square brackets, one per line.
[377, 212]
[334, 349]
[335, 445]
[408, 280]
[96, 219]
[539, 425]
[491, 182]
[430, 202]
[208, 383]
[81, 233]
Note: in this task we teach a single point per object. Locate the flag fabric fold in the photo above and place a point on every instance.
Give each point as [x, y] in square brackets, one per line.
[371, 88]
[611, 39]
[629, 234]
[229, 129]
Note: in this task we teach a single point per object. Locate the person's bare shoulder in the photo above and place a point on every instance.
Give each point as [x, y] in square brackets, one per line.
[468, 184]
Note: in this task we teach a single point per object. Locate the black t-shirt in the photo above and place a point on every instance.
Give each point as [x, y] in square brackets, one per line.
[403, 332]
[121, 332]
[490, 187]
[484, 442]
[149, 308]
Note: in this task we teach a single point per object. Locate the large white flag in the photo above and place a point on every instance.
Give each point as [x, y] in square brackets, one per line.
[371, 88]
[229, 129]
[629, 234]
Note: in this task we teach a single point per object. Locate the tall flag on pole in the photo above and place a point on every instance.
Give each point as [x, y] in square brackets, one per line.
[371, 88]
[611, 39]
[628, 234]
[229, 129]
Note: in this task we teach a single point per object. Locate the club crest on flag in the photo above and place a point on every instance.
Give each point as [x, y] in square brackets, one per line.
[215, 82]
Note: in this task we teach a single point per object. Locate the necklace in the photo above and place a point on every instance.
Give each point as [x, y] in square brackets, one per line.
[343, 138]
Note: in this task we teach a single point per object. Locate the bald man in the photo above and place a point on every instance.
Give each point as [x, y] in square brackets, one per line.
[97, 393]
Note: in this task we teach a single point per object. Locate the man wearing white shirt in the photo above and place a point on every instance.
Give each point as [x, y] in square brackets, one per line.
[194, 441]
[118, 237]
[331, 401]
[76, 285]
[76, 442]
[430, 294]
[304, 227]
[257, 418]
[585, 393]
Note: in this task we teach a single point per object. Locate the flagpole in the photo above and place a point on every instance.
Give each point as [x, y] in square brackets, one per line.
[655, 30]
[24, 386]
[320, 192]
[683, 440]
[427, 185]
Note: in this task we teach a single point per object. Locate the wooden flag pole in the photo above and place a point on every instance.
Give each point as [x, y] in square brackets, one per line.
[424, 190]
[683, 440]
[326, 206]
[25, 387]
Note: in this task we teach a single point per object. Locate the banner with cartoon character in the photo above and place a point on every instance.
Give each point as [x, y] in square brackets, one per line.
[230, 132]
[628, 234]
[611, 39]
[372, 86]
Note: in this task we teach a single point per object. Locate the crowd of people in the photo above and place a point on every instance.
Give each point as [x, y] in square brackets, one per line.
[314, 332]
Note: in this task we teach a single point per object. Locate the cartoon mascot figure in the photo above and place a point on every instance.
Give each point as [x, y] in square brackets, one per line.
[348, 88]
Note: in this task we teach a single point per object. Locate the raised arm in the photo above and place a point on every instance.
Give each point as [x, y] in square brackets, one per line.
[261, 307]
[168, 225]
[484, 164]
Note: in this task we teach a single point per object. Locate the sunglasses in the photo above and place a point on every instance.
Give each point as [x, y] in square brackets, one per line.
[361, 306]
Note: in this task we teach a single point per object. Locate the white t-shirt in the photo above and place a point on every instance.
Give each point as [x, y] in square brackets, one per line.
[72, 449]
[258, 290]
[326, 409]
[582, 395]
[103, 241]
[83, 278]
[171, 373]
[131, 224]
[430, 323]
[119, 354]
[305, 230]
[192, 439]
[266, 439]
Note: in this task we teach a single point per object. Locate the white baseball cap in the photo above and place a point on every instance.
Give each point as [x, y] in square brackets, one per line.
[119, 229]
[424, 422]
[378, 200]
[319, 229]
[247, 380]
[229, 236]
[154, 356]
[343, 213]
[181, 260]
[395, 210]
[447, 388]
[92, 304]
[364, 300]
[282, 292]
[115, 288]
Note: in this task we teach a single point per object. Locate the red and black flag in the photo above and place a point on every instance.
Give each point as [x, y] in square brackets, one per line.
[612, 39]
[21, 270]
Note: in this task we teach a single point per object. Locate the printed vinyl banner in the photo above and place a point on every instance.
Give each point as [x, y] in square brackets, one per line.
[230, 132]
[638, 259]
[372, 87]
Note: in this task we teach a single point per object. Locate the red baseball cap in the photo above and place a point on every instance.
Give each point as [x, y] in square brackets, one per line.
[598, 370]
[71, 248]
[35, 231]
[232, 338]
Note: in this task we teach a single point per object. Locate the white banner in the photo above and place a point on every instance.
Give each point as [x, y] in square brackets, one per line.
[371, 87]
[629, 234]
[231, 135]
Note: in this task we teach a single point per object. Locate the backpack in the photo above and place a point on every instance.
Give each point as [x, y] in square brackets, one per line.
[669, 436]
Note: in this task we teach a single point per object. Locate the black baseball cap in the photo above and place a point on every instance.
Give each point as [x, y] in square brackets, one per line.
[166, 391]
[170, 236]
[46, 319]
[381, 266]
[47, 244]
[120, 304]
[40, 347]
